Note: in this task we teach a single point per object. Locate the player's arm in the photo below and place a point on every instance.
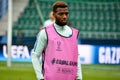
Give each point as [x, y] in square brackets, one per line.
[37, 51]
[79, 69]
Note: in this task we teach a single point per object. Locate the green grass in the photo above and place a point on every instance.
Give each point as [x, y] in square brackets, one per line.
[18, 71]
[101, 72]
[24, 71]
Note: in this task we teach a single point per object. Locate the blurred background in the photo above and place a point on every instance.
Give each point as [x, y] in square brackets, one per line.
[99, 40]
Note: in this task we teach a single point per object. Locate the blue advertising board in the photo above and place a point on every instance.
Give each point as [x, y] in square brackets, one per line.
[89, 54]
[19, 53]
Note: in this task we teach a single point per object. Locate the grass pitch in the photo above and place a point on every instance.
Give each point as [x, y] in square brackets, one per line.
[24, 71]
[101, 72]
[18, 71]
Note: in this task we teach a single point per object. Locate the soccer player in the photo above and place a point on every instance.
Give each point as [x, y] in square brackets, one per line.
[57, 43]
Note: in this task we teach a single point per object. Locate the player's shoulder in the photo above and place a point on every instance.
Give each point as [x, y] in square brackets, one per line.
[71, 27]
[74, 28]
[42, 31]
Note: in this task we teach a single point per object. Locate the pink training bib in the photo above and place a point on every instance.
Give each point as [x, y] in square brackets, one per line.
[61, 54]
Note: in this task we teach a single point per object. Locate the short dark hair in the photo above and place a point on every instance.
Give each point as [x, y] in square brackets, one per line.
[59, 4]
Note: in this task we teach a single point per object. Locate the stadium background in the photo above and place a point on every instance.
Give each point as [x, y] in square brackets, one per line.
[97, 20]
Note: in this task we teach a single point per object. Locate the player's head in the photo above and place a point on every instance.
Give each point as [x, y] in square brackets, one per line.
[60, 12]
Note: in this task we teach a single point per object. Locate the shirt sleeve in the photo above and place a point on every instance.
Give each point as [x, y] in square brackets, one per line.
[79, 69]
[37, 51]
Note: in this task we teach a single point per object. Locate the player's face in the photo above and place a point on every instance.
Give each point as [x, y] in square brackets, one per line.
[61, 16]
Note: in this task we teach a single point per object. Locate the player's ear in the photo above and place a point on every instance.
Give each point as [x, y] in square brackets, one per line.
[54, 14]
